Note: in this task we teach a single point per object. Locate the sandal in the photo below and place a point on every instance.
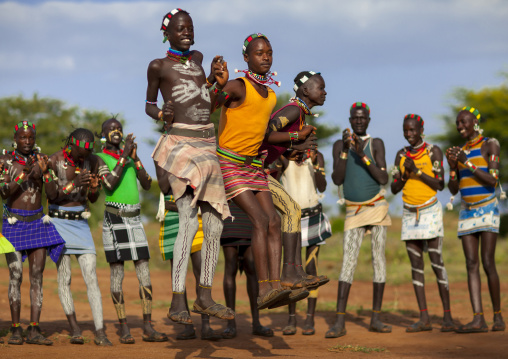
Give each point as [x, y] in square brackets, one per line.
[273, 296]
[447, 327]
[186, 335]
[335, 333]
[289, 330]
[15, 339]
[262, 331]
[39, 339]
[102, 341]
[155, 337]
[322, 280]
[211, 335]
[180, 317]
[295, 296]
[77, 339]
[229, 333]
[216, 310]
[419, 327]
[127, 339]
[468, 328]
[381, 328]
[308, 330]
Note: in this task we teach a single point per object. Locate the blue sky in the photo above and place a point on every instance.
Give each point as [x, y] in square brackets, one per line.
[399, 56]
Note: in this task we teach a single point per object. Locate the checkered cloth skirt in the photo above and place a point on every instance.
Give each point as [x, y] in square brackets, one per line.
[32, 235]
[124, 238]
[315, 229]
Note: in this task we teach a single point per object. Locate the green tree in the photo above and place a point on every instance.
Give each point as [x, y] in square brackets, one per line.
[55, 121]
[492, 102]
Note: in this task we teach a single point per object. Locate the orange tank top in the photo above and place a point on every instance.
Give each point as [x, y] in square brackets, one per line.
[242, 129]
[415, 191]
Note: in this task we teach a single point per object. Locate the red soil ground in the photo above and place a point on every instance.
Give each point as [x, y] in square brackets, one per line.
[400, 306]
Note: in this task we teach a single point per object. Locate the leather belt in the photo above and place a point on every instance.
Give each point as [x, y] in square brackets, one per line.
[26, 218]
[59, 213]
[122, 212]
[417, 209]
[191, 133]
[307, 212]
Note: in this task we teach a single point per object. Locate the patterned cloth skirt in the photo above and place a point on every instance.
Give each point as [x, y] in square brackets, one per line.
[32, 235]
[315, 227]
[479, 217]
[169, 231]
[422, 222]
[124, 237]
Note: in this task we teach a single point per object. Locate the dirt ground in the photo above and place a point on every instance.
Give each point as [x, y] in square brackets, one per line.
[399, 310]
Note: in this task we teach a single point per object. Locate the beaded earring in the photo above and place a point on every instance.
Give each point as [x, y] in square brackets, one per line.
[164, 39]
[14, 145]
[477, 128]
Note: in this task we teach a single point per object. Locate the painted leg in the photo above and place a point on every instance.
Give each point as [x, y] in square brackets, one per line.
[15, 279]
[311, 269]
[436, 261]
[117, 275]
[64, 292]
[379, 265]
[415, 252]
[189, 225]
[188, 332]
[351, 248]
[88, 264]
[37, 262]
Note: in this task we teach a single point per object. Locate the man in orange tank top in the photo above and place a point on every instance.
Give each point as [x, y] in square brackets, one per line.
[419, 174]
[478, 217]
[186, 151]
[247, 105]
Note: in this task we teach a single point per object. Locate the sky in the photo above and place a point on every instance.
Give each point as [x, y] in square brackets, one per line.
[398, 56]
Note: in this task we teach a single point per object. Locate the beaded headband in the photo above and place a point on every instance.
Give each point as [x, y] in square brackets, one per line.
[473, 110]
[414, 116]
[304, 76]
[360, 104]
[23, 124]
[168, 16]
[82, 144]
[249, 39]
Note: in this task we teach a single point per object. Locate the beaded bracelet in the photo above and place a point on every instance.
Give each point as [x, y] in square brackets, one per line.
[343, 156]
[293, 136]
[208, 83]
[366, 160]
[160, 116]
[151, 102]
[139, 165]
[470, 166]
[121, 162]
[494, 172]
[94, 190]
[68, 189]
[494, 158]
[220, 92]
[47, 177]
[20, 178]
[419, 173]
[453, 175]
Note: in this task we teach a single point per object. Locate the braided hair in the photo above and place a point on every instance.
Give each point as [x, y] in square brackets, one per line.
[81, 134]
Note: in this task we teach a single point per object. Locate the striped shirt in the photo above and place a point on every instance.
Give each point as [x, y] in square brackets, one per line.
[471, 189]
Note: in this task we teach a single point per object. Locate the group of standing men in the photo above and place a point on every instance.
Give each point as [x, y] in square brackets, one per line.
[199, 176]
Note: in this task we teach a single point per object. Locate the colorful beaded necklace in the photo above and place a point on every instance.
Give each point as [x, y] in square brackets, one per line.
[419, 153]
[112, 154]
[265, 80]
[18, 157]
[179, 56]
[68, 160]
[303, 106]
[472, 143]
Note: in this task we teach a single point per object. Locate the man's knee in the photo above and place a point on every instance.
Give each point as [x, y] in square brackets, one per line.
[260, 222]
[274, 222]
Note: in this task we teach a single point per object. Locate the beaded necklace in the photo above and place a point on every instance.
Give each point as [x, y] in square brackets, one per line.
[265, 80]
[472, 143]
[303, 106]
[18, 157]
[419, 153]
[69, 161]
[179, 56]
[112, 154]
